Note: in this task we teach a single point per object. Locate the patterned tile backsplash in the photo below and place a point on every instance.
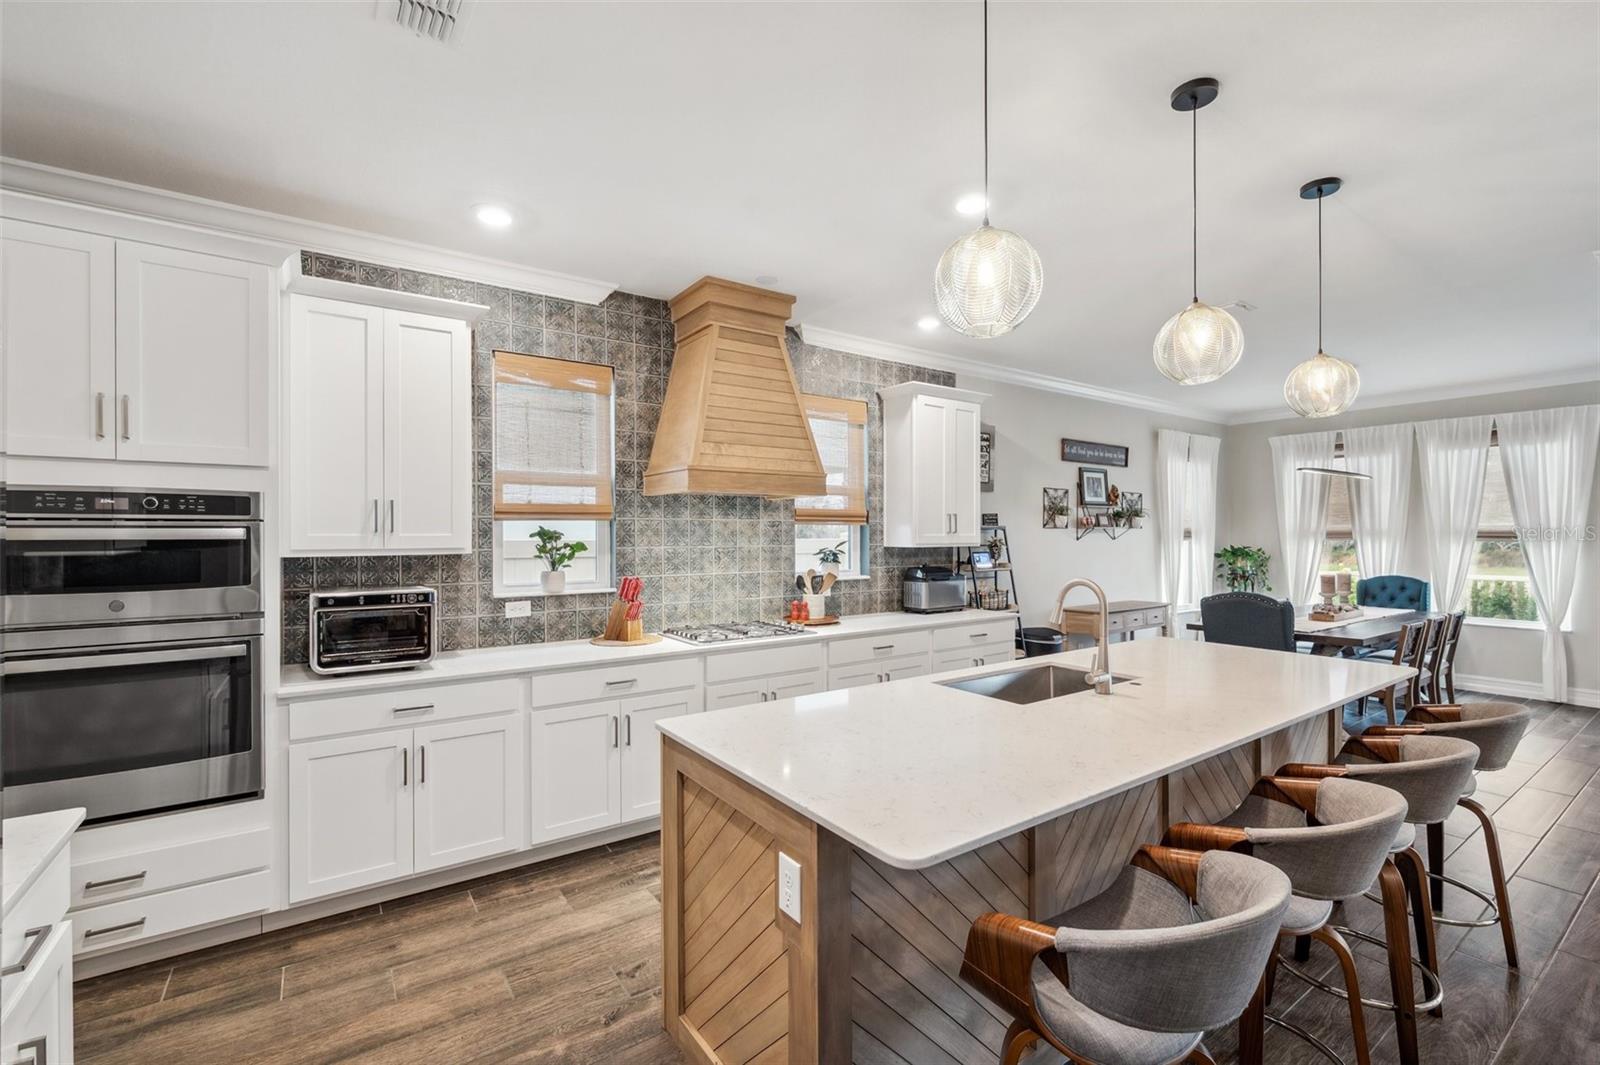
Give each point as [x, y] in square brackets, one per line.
[703, 558]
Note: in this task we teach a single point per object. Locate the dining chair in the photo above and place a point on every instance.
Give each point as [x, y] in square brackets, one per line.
[1442, 688]
[1411, 637]
[1331, 837]
[1430, 773]
[1248, 619]
[1175, 946]
[1393, 590]
[1495, 728]
[1416, 658]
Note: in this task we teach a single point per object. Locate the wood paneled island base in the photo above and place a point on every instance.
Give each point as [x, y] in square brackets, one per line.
[869, 975]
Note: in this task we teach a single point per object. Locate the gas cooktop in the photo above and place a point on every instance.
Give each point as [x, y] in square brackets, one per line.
[734, 630]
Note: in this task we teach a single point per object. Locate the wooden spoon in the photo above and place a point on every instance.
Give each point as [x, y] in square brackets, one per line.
[827, 582]
[811, 581]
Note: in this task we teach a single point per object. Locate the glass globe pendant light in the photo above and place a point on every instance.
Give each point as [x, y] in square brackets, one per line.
[1323, 385]
[1200, 343]
[988, 281]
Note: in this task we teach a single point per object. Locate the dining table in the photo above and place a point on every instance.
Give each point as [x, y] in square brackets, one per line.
[1376, 626]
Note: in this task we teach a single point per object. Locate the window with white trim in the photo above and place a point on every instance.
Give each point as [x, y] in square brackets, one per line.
[1497, 575]
[837, 520]
[1339, 541]
[553, 468]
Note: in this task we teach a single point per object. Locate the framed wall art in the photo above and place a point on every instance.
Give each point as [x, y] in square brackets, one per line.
[1093, 483]
[1057, 508]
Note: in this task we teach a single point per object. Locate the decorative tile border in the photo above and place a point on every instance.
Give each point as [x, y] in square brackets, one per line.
[703, 558]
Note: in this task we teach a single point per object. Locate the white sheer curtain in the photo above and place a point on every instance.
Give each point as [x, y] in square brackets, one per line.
[1378, 506]
[1202, 494]
[1453, 453]
[1172, 470]
[1302, 509]
[1549, 458]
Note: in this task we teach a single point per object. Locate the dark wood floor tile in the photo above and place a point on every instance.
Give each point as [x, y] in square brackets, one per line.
[1531, 811]
[1542, 915]
[1482, 1001]
[1567, 858]
[1583, 937]
[628, 1031]
[268, 953]
[179, 1028]
[1563, 775]
[1328, 1018]
[1584, 747]
[1505, 782]
[1469, 862]
[1562, 723]
[1461, 824]
[448, 891]
[1561, 1021]
[1584, 811]
[120, 992]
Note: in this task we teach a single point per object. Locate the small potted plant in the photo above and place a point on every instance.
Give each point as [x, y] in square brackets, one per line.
[1243, 569]
[558, 553]
[830, 557]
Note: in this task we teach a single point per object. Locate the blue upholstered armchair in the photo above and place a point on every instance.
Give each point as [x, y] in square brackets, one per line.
[1248, 619]
[1393, 590]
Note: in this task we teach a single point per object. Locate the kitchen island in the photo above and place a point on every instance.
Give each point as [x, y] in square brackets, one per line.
[913, 807]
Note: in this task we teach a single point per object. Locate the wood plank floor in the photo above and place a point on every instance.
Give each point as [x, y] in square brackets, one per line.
[561, 962]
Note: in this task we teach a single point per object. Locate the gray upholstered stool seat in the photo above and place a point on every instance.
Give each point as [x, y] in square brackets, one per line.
[1135, 976]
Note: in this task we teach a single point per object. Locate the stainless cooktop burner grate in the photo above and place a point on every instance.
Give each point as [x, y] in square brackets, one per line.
[734, 630]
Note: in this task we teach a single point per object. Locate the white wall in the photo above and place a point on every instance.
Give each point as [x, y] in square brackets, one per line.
[1510, 657]
[1029, 425]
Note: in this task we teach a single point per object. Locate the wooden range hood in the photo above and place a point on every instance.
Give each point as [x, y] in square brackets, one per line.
[733, 422]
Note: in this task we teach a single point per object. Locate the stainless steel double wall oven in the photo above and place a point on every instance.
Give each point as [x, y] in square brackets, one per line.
[130, 649]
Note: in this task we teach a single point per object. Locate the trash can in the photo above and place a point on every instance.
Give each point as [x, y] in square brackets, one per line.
[1039, 640]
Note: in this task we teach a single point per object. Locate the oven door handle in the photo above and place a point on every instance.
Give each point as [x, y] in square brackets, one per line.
[112, 660]
[126, 532]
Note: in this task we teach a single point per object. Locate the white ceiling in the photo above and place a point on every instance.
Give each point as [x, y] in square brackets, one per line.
[825, 144]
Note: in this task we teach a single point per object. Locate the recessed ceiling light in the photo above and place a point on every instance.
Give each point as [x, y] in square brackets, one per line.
[492, 215]
[972, 204]
[927, 323]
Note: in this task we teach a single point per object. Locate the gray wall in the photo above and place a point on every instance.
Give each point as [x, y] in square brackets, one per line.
[1247, 514]
[703, 558]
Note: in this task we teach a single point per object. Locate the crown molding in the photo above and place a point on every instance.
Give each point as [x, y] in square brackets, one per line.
[934, 360]
[1577, 376]
[245, 222]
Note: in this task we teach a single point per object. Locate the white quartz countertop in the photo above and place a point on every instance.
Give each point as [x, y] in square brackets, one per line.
[914, 772]
[298, 682]
[30, 843]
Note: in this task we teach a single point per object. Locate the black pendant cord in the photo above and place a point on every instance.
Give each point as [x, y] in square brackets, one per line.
[985, 112]
[1319, 273]
[1194, 201]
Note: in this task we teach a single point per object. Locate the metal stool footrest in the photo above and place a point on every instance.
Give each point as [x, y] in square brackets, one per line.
[1431, 984]
[1457, 922]
[1327, 1051]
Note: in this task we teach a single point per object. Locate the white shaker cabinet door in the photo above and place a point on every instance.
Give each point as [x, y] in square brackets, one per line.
[36, 1028]
[641, 748]
[427, 477]
[58, 304]
[793, 684]
[574, 770]
[350, 812]
[335, 444]
[471, 794]
[930, 456]
[191, 357]
[737, 693]
[961, 470]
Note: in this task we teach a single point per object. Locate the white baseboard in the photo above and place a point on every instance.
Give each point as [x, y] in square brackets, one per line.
[1524, 689]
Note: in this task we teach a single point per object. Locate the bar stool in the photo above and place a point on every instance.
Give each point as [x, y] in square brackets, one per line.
[1495, 729]
[1332, 838]
[1174, 947]
[1430, 772]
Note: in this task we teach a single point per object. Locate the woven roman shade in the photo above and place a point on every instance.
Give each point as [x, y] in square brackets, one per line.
[839, 427]
[1494, 517]
[552, 438]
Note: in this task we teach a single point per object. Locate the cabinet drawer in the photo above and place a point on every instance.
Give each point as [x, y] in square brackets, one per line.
[117, 924]
[41, 907]
[764, 661]
[613, 682]
[404, 706]
[1156, 617]
[126, 876]
[959, 637]
[1133, 619]
[873, 648]
[1116, 622]
[862, 674]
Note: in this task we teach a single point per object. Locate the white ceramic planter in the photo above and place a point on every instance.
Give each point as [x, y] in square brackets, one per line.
[553, 581]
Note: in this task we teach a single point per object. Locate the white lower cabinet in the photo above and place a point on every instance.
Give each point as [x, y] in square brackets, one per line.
[599, 764]
[967, 657]
[373, 807]
[881, 672]
[36, 1025]
[764, 689]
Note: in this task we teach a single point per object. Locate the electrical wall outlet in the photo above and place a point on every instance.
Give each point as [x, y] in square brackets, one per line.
[789, 886]
[518, 608]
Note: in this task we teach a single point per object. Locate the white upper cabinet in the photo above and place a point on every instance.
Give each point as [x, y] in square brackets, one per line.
[930, 465]
[117, 349]
[58, 305]
[191, 357]
[379, 429]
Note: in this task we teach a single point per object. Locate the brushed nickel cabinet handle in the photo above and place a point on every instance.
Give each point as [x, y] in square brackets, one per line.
[131, 878]
[422, 763]
[39, 1048]
[623, 683]
[375, 529]
[977, 635]
[763, 696]
[405, 766]
[127, 418]
[35, 938]
[99, 415]
[628, 741]
[391, 515]
[421, 708]
[880, 678]
[126, 926]
[613, 730]
[883, 647]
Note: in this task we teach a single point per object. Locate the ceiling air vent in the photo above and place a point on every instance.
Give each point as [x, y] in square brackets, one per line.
[436, 19]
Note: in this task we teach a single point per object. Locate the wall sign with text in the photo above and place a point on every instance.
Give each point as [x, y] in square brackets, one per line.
[1087, 451]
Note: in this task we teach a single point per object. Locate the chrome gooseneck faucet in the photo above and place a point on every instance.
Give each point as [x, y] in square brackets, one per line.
[1100, 674]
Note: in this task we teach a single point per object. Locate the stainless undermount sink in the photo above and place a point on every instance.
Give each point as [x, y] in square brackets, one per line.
[1030, 684]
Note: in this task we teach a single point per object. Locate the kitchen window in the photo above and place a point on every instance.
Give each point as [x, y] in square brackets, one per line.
[1339, 541]
[838, 518]
[553, 467]
[1497, 575]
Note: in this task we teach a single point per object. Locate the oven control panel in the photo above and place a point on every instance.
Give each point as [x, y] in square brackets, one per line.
[376, 597]
[124, 503]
